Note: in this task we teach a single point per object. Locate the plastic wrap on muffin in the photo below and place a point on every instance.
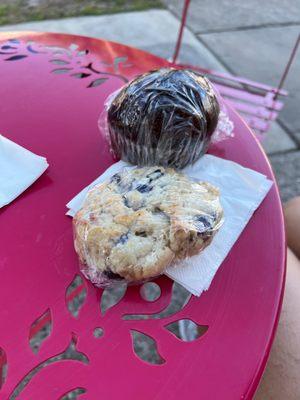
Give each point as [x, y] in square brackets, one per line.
[165, 117]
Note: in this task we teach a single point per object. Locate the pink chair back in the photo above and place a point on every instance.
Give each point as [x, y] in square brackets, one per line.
[258, 103]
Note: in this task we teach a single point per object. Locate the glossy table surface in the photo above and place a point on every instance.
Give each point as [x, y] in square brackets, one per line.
[52, 91]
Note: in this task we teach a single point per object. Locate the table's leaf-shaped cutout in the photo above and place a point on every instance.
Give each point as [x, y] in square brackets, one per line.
[117, 61]
[80, 75]
[179, 299]
[145, 348]
[16, 57]
[98, 332]
[73, 46]
[58, 50]
[73, 394]
[112, 296]
[97, 82]
[32, 50]
[150, 291]
[40, 330]
[91, 67]
[83, 52]
[62, 70]
[59, 62]
[76, 294]
[3, 367]
[186, 329]
[71, 353]
[8, 47]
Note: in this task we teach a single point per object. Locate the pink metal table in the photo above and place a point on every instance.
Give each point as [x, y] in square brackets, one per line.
[52, 90]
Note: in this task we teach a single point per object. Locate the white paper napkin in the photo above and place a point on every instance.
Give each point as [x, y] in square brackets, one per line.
[19, 168]
[242, 191]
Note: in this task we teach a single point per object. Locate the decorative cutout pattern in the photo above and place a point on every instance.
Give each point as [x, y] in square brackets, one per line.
[150, 291]
[15, 58]
[76, 295]
[62, 70]
[59, 62]
[97, 82]
[98, 333]
[73, 394]
[40, 330]
[31, 49]
[145, 348]
[96, 76]
[112, 296]
[180, 297]
[80, 75]
[8, 47]
[186, 329]
[3, 367]
[71, 353]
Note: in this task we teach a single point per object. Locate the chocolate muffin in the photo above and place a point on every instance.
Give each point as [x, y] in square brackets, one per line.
[164, 117]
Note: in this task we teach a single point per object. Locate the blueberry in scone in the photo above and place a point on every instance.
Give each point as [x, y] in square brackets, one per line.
[136, 224]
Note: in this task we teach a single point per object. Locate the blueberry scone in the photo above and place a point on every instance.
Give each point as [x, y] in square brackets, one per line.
[140, 221]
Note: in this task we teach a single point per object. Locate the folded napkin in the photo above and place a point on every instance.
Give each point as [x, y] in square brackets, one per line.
[19, 168]
[242, 190]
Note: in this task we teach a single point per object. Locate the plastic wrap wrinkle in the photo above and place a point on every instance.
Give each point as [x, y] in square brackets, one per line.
[166, 117]
[133, 226]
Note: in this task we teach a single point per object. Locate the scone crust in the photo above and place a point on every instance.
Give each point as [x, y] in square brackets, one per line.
[134, 225]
